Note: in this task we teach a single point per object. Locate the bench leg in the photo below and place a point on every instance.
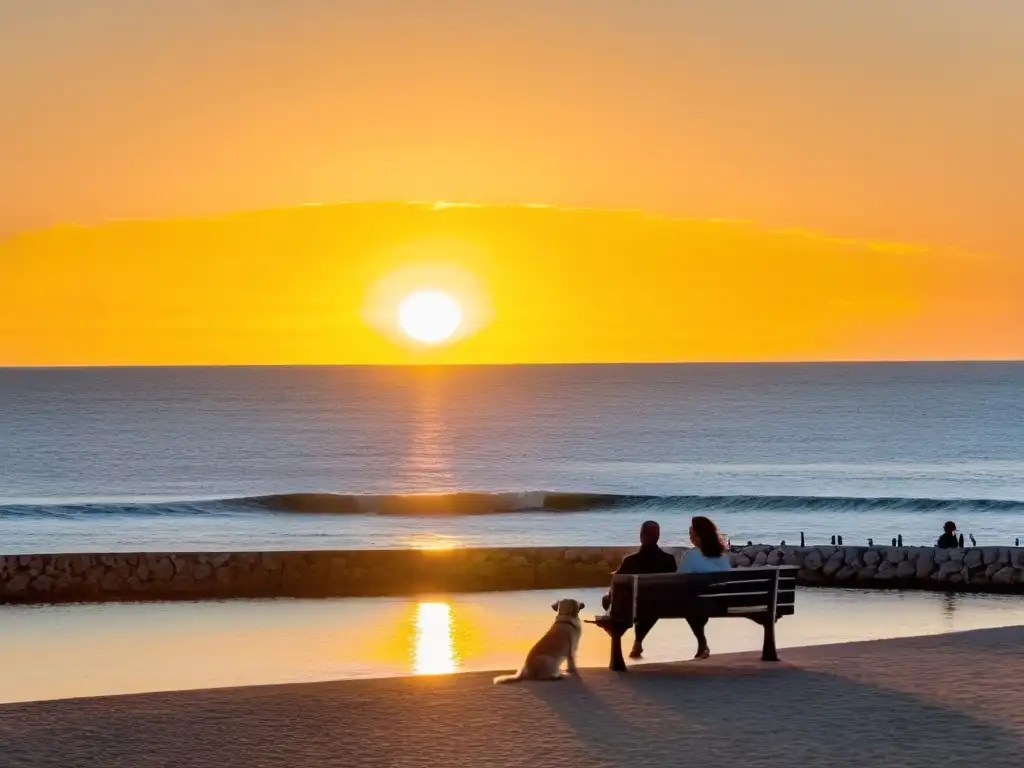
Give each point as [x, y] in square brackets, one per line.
[768, 651]
[617, 663]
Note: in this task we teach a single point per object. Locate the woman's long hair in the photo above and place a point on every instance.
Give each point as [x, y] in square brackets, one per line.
[710, 540]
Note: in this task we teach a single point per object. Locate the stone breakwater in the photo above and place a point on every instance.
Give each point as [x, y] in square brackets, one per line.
[364, 573]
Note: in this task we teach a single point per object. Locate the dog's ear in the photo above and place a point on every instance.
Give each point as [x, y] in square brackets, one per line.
[554, 606]
[582, 606]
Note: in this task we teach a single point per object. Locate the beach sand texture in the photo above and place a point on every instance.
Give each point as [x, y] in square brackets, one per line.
[928, 701]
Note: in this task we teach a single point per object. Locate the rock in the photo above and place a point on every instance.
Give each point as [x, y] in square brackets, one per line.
[867, 572]
[271, 561]
[925, 567]
[163, 569]
[1017, 557]
[219, 559]
[895, 555]
[872, 557]
[201, 571]
[940, 555]
[774, 557]
[833, 565]
[110, 582]
[957, 555]
[142, 571]
[886, 571]
[847, 572]
[808, 576]
[792, 558]
[947, 569]
[813, 561]
[43, 583]
[851, 556]
[974, 558]
[223, 575]
[907, 569]
[989, 555]
[740, 561]
[1003, 576]
[761, 559]
[18, 584]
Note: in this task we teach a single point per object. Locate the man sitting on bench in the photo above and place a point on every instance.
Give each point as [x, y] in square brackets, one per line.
[650, 558]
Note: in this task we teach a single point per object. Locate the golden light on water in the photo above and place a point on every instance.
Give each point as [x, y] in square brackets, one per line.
[434, 646]
[433, 541]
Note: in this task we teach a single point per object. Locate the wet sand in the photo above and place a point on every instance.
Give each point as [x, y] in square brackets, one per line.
[93, 650]
[951, 699]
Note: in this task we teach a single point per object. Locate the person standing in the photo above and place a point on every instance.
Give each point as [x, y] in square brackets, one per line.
[948, 539]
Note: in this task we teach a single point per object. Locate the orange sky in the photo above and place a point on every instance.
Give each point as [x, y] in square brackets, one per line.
[880, 120]
[321, 284]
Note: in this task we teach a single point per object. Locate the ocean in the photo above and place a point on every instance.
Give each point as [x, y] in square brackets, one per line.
[134, 459]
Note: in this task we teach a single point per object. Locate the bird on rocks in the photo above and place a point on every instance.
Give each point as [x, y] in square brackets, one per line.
[973, 542]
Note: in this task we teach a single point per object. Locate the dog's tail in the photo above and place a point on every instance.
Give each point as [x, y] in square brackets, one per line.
[516, 678]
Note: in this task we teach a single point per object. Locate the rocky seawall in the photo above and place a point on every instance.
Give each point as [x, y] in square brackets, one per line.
[199, 576]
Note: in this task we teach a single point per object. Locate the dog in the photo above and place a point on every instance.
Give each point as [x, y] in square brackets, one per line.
[558, 645]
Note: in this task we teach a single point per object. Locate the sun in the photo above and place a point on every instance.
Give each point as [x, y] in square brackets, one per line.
[429, 317]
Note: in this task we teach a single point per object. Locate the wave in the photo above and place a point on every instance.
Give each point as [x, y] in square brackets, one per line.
[468, 503]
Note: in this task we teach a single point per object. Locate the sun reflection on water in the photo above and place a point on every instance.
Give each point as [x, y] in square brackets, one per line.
[434, 649]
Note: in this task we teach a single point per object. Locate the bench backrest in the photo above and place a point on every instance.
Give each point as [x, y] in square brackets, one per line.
[739, 592]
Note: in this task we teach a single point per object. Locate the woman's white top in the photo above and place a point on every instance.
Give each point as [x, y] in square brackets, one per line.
[694, 561]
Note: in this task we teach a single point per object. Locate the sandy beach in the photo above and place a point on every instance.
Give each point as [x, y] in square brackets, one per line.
[941, 700]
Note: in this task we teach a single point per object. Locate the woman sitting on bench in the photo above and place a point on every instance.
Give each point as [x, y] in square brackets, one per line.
[707, 556]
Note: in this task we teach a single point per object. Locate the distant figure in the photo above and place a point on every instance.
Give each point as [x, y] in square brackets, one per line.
[973, 542]
[707, 556]
[650, 558]
[948, 538]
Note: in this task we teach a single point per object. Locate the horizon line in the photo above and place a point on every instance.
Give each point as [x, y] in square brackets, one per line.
[581, 364]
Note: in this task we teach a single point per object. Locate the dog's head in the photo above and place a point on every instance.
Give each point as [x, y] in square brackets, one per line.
[567, 607]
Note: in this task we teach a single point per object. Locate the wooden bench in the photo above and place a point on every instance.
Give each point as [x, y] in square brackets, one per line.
[761, 594]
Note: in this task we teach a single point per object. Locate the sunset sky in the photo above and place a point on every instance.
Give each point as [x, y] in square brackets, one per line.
[867, 154]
